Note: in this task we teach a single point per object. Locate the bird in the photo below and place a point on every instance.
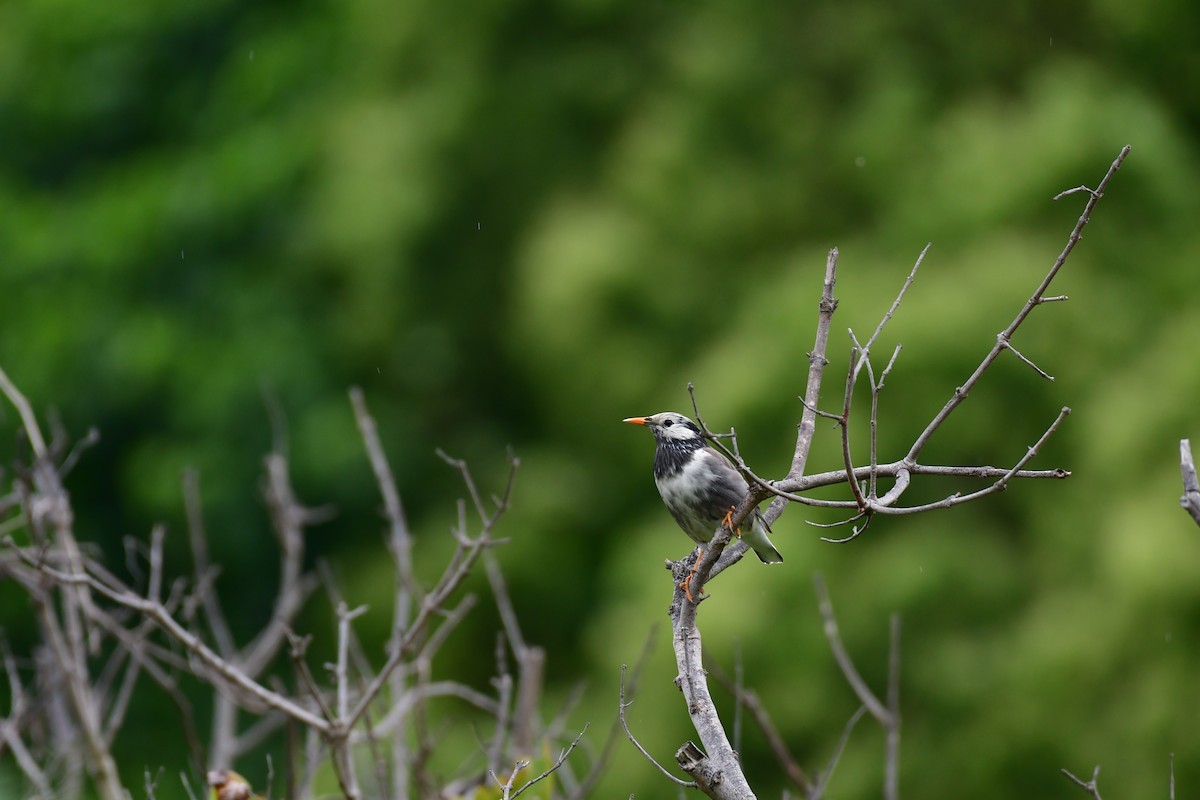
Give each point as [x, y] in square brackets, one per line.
[699, 485]
[228, 785]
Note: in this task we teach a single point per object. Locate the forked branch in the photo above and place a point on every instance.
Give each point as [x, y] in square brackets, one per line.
[717, 757]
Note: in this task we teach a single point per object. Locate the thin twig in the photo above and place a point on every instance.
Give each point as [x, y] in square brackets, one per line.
[289, 518]
[455, 573]
[817, 360]
[1088, 786]
[167, 622]
[345, 616]
[902, 471]
[198, 539]
[762, 718]
[857, 359]
[1005, 336]
[343, 759]
[855, 530]
[845, 663]
[912, 275]
[738, 687]
[25, 760]
[621, 706]
[506, 787]
[25, 411]
[891, 783]
[399, 543]
[558, 762]
[824, 778]
[298, 646]
[1066, 192]
[504, 685]
[601, 762]
[1009, 346]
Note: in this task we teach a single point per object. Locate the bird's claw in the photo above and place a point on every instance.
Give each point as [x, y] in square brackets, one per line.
[728, 522]
[686, 585]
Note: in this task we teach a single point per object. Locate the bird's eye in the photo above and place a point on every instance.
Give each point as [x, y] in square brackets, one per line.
[668, 423]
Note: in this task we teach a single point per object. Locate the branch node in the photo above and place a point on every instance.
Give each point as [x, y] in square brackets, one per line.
[1089, 786]
[693, 761]
[1095, 194]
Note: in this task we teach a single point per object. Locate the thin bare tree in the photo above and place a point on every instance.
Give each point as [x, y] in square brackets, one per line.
[366, 717]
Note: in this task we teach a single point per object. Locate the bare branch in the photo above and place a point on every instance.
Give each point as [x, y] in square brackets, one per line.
[9, 728]
[902, 472]
[416, 694]
[1005, 336]
[400, 540]
[817, 360]
[887, 715]
[857, 359]
[504, 684]
[1087, 786]
[1009, 346]
[718, 773]
[912, 275]
[891, 784]
[298, 646]
[530, 660]
[621, 706]
[855, 530]
[290, 519]
[558, 762]
[455, 573]
[1191, 486]
[198, 539]
[90, 439]
[585, 787]
[845, 663]
[824, 778]
[762, 718]
[345, 616]
[399, 543]
[1081, 188]
[167, 622]
[25, 411]
[506, 787]
[343, 759]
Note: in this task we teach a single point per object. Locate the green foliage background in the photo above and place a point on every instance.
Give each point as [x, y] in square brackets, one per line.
[515, 223]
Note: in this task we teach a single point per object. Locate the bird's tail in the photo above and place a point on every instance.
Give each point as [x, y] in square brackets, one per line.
[758, 541]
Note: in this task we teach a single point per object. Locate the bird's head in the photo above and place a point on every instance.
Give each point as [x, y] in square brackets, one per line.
[668, 426]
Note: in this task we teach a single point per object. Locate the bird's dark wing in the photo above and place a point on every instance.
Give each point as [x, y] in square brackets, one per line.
[712, 451]
[727, 487]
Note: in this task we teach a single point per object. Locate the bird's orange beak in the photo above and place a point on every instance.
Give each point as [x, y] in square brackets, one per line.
[635, 420]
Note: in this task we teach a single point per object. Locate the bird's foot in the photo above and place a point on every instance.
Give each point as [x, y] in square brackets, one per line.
[728, 522]
[686, 584]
